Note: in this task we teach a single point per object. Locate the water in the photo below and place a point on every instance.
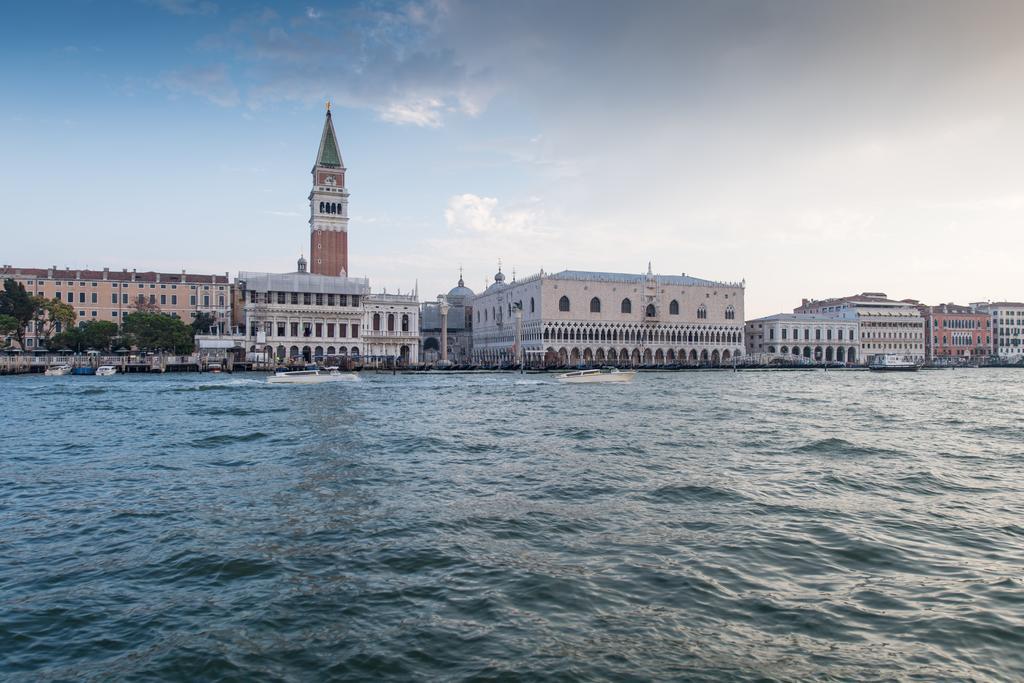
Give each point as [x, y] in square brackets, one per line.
[700, 526]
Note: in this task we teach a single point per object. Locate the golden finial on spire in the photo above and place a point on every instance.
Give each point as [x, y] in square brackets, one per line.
[328, 105]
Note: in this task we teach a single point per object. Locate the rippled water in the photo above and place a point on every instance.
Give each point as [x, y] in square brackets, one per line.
[703, 525]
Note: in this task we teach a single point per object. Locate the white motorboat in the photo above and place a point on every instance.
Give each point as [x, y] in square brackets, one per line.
[595, 376]
[310, 376]
[58, 370]
[894, 363]
[106, 371]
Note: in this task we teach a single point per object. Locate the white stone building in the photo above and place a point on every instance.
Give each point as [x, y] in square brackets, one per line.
[810, 336]
[884, 326]
[313, 317]
[1007, 329]
[594, 318]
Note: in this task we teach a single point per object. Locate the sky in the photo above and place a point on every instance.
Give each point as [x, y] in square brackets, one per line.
[810, 149]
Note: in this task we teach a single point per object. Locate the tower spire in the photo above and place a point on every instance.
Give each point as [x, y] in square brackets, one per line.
[328, 206]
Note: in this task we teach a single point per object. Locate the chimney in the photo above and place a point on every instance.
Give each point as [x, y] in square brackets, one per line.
[133, 275]
[158, 277]
[49, 273]
[804, 302]
[78, 275]
[106, 273]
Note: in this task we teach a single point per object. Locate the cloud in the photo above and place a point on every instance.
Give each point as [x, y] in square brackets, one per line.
[185, 7]
[313, 13]
[213, 83]
[472, 213]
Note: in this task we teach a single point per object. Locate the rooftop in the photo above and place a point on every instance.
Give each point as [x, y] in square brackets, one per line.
[303, 282]
[123, 275]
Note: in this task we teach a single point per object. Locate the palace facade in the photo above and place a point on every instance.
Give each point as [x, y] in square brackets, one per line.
[592, 318]
[111, 294]
[811, 336]
[884, 326]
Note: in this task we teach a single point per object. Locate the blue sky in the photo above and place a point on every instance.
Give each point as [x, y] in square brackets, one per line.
[814, 149]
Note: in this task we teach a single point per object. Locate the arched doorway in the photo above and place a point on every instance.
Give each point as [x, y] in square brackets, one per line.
[563, 356]
[318, 353]
[726, 355]
[714, 357]
[817, 353]
[659, 357]
[807, 352]
[648, 357]
[670, 356]
[403, 354]
[307, 354]
[841, 354]
[588, 356]
[293, 352]
[599, 355]
[851, 355]
[574, 356]
[828, 354]
[693, 354]
[704, 355]
[635, 357]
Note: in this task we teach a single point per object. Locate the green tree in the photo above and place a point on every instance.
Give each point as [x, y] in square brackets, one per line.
[202, 323]
[48, 314]
[8, 325]
[98, 334]
[72, 338]
[18, 304]
[156, 331]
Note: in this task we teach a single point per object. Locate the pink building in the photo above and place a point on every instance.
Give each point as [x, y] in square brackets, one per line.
[956, 332]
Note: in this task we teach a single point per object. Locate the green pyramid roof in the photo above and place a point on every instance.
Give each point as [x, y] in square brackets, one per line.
[329, 154]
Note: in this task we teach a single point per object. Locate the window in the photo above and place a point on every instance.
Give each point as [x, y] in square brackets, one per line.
[673, 308]
[124, 297]
[651, 311]
[306, 299]
[702, 312]
[206, 300]
[532, 309]
[730, 313]
[280, 329]
[627, 306]
[174, 299]
[595, 305]
[81, 297]
[294, 329]
[342, 330]
[113, 298]
[391, 322]
[192, 300]
[93, 299]
[295, 298]
[376, 322]
[355, 330]
[563, 304]
[405, 323]
[319, 329]
[163, 299]
[330, 329]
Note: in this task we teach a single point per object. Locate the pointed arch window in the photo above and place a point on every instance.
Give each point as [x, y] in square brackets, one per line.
[376, 322]
[627, 306]
[730, 313]
[651, 312]
[702, 312]
[563, 304]
[595, 305]
[673, 308]
[531, 305]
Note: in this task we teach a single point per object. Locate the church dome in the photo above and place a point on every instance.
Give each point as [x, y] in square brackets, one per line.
[460, 292]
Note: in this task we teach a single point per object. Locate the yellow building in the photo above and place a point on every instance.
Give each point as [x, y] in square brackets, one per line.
[111, 295]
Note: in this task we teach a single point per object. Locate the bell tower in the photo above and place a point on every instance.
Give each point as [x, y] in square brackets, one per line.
[328, 207]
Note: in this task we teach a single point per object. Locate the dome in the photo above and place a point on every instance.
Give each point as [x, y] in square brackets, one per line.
[460, 292]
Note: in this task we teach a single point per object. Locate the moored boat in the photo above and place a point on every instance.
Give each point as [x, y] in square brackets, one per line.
[891, 362]
[596, 376]
[106, 371]
[310, 375]
[85, 370]
[56, 370]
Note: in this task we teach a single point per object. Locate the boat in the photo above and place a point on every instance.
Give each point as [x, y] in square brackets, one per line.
[595, 376]
[86, 370]
[310, 375]
[891, 362]
[57, 370]
[106, 371]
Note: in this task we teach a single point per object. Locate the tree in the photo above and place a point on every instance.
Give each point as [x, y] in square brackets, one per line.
[48, 314]
[156, 331]
[18, 304]
[202, 322]
[98, 334]
[72, 338]
[8, 325]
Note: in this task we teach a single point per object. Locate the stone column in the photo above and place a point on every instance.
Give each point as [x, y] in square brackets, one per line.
[442, 304]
